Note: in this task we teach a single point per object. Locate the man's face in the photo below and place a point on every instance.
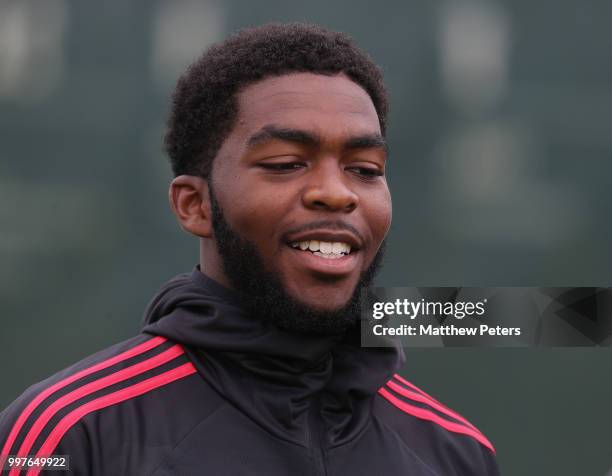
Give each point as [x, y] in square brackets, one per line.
[303, 169]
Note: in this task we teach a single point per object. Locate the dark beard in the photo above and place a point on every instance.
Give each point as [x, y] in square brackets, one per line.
[262, 292]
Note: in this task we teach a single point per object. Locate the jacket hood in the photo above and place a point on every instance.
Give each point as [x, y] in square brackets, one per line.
[272, 375]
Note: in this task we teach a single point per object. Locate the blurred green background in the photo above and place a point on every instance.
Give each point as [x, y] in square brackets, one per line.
[501, 141]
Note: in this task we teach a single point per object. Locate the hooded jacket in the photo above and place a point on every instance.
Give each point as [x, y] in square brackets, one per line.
[206, 389]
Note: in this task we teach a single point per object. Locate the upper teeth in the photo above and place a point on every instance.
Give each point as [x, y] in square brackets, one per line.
[326, 247]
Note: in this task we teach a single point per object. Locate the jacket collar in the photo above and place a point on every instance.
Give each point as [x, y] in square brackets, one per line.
[273, 376]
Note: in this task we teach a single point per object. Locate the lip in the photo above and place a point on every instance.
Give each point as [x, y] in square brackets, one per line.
[329, 236]
[338, 267]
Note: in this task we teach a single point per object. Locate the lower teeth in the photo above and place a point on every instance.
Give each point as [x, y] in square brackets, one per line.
[327, 255]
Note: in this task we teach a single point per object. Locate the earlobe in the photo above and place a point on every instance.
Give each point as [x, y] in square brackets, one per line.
[190, 203]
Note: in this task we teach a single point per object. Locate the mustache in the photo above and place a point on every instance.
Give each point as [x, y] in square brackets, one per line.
[327, 224]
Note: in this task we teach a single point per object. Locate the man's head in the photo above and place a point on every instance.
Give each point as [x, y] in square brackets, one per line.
[277, 140]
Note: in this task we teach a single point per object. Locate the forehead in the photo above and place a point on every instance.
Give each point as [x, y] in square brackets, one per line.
[307, 100]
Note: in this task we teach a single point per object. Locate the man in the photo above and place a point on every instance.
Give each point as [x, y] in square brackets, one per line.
[251, 364]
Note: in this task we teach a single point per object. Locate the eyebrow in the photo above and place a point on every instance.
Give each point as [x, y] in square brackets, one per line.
[270, 132]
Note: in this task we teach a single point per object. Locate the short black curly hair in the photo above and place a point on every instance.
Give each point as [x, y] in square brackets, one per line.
[204, 105]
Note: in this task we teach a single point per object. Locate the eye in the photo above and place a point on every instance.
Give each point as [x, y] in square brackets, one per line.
[282, 167]
[367, 172]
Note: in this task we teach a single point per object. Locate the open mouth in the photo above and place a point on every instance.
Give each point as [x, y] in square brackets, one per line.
[324, 249]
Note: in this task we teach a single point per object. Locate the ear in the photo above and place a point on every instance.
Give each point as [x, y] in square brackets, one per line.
[190, 203]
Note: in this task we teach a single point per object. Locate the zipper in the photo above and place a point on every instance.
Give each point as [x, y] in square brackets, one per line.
[316, 439]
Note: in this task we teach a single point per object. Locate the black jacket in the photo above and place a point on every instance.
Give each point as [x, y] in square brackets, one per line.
[207, 390]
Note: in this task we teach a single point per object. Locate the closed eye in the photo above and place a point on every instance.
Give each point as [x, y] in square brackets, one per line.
[282, 167]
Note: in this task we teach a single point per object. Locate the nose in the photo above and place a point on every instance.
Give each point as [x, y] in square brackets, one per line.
[328, 189]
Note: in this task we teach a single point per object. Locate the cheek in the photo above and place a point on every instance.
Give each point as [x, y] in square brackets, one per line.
[255, 216]
[380, 213]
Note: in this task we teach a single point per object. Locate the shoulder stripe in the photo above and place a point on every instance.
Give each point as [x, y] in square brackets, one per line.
[430, 416]
[107, 400]
[90, 388]
[417, 397]
[402, 380]
[139, 349]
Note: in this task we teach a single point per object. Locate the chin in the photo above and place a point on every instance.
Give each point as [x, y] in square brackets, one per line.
[323, 303]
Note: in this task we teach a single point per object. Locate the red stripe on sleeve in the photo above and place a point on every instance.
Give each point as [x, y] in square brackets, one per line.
[413, 386]
[107, 400]
[90, 388]
[432, 403]
[402, 380]
[139, 349]
[430, 416]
